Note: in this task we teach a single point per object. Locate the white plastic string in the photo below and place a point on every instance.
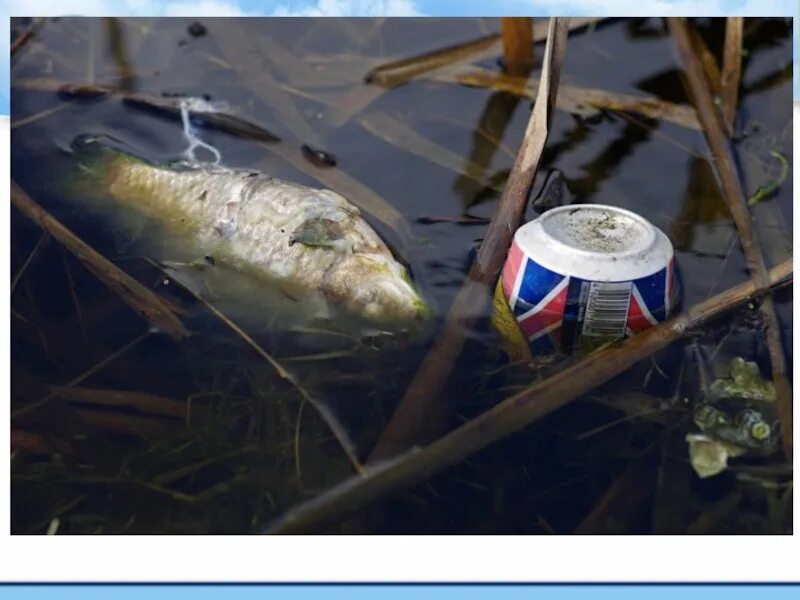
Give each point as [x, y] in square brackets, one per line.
[189, 105]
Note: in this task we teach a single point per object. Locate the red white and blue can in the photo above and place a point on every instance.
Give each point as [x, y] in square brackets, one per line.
[585, 274]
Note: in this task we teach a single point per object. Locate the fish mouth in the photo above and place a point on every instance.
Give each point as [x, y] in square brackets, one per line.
[421, 310]
[395, 302]
[376, 288]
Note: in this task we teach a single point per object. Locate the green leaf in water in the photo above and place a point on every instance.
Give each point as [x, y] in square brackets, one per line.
[769, 189]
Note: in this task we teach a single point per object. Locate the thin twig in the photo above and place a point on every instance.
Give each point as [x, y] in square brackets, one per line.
[620, 421]
[731, 69]
[27, 262]
[140, 401]
[325, 413]
[181, 472]
[727, 175]
[574, 99]
[511, 415]
[17, 123]
[74, 294]
[86, 374]
[654, 130]
[26, 36]
[625, 496]
[134, 294]
[402, 71]
[21, 40]
[329, 418]
[421, 411]
[394, 131]
[298, 470]
[705, 523]
[707, 58]
[60, 511]
[36, 323]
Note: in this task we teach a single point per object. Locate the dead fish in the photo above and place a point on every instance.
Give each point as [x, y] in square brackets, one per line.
[313, 239]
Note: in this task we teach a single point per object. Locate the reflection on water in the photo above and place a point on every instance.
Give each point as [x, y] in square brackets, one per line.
[206, 436]
[118, 50]
[704, 205]
[488, 133]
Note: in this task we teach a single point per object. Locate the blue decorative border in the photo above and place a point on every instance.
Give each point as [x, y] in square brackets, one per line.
[351, 591]
[596, 591]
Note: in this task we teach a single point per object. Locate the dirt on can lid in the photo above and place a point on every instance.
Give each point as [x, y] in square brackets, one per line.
[595, 242]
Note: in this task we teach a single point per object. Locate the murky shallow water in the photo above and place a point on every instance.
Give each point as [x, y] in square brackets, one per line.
[235, 446]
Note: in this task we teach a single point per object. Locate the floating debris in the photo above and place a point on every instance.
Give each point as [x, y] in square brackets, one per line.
[462, 220]
[734, 419]
[197, 29]
[211, 116]
[745, 381]
[318, 158]
[84, 91]
[709, 456]
[769, 189]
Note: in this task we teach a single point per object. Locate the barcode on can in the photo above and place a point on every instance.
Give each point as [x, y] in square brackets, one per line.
[607, 309]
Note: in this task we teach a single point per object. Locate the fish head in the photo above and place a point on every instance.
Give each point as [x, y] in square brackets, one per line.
[376, 287]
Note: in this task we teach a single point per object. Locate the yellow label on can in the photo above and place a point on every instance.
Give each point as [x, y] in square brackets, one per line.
[503, 320]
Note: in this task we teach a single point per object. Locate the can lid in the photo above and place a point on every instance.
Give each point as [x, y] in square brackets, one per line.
[595, 242]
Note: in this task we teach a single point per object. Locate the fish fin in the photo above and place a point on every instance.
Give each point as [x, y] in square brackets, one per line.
[318, 232]
[191, 275]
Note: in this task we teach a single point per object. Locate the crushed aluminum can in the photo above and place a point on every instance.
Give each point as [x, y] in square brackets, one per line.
[583, 275]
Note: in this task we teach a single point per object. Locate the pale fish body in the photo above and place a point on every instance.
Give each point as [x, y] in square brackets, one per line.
[309, 238]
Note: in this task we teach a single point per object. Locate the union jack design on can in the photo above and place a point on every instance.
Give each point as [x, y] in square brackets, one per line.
[557, 310]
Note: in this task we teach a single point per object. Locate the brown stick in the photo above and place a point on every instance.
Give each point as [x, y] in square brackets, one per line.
[402, 71]
[708, 59]
[145, 426]
[421, 411]
[22, 39]
[517, 34]
[141, 401]
[44, 237]
[731, 69]
[724, 164]
[512, 414]
[573, 99]
[624, 500]
[134, 294]
[56, 391]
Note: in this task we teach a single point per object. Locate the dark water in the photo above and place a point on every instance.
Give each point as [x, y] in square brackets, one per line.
[228, 445]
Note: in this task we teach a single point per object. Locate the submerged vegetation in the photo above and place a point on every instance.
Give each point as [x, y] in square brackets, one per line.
[152, 398]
